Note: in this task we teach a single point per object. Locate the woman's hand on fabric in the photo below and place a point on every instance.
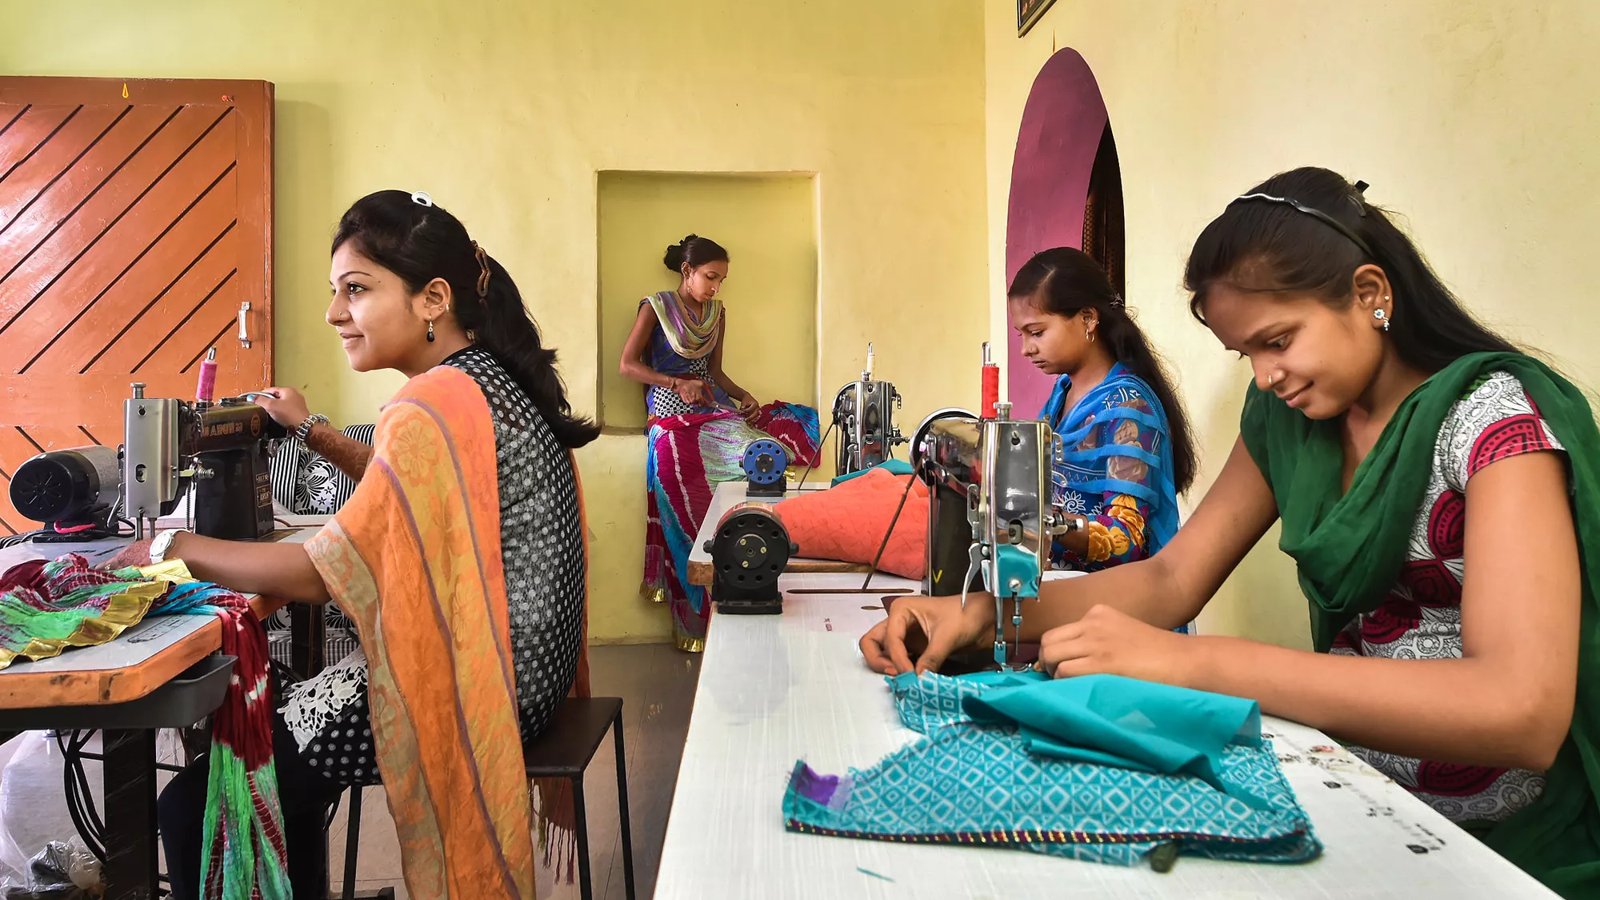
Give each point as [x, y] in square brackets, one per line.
[286, 406]
[748, 407]
[932, 628]
[135, 554]
[1107, 641]
[694, 392]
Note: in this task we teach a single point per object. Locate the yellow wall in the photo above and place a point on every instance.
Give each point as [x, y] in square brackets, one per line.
[506, 111]
[768, 226]
[1475, 118]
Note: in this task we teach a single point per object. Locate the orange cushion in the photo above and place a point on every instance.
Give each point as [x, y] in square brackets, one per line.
[848, 522]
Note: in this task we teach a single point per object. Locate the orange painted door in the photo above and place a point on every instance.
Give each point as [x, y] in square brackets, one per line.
[135, 234]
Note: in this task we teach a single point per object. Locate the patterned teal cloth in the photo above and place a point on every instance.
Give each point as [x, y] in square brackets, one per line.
[1099, 768]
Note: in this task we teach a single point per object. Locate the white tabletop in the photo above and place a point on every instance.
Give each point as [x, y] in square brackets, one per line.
[774, 689]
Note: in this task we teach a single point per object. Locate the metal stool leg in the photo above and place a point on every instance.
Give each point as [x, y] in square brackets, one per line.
[353, 842]
[584, 886]
[622, 805]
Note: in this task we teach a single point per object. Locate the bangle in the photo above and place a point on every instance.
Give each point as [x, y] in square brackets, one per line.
[312, 421]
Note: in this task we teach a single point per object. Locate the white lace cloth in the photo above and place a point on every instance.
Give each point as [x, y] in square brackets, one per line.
[312, 705]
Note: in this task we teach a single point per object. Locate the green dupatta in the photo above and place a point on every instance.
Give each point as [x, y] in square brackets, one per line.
[1349, 550]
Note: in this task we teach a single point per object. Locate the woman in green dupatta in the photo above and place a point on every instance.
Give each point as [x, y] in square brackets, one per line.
[1395, 437]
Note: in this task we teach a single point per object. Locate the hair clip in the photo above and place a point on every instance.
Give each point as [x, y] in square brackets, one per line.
[1117, 302]
[421, 198]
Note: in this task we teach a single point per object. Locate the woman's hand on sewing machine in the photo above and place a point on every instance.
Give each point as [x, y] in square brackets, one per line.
[934, 626]
[285, 405]
[1107, 641]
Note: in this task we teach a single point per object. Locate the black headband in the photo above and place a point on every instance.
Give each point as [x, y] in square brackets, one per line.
[1319, 215]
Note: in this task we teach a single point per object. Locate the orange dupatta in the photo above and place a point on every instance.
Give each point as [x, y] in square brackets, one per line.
[414, 558]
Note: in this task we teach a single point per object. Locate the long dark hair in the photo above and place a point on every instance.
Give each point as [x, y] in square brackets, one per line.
[694, 250]
[419, 242]
[1309, 232]
[1064, 282]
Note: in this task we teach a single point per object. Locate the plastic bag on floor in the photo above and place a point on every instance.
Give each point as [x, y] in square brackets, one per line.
[41, 854]
[63, 870]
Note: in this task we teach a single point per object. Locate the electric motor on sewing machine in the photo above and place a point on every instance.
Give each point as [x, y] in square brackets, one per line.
[69, 488]
[748, 552]
[764, 462]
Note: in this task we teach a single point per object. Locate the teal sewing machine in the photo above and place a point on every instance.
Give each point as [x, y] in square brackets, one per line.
[990, 514]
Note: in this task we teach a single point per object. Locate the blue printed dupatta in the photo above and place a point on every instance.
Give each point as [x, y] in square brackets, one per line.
[1100, 473]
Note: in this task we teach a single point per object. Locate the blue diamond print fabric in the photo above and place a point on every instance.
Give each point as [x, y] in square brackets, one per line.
[1098, 768]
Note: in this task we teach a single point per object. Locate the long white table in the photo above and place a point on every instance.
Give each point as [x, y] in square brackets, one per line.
[774, 689]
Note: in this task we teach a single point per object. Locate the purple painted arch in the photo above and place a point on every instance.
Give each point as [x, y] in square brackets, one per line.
[1062, 124]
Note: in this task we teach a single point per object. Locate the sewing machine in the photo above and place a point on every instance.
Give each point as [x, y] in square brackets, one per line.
[863, 411]
[218, 449]
[990, 519]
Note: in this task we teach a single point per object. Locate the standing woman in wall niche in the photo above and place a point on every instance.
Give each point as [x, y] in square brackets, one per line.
[1439, 491]
[1126, 448]
[697, 436]
[675, 347]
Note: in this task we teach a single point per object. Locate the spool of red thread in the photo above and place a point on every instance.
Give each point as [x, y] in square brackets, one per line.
[991, 385]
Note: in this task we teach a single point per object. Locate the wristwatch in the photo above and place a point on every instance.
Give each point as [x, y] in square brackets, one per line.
[312, 421]
[162, 544]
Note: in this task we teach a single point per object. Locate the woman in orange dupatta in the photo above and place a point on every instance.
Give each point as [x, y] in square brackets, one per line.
[460, 558]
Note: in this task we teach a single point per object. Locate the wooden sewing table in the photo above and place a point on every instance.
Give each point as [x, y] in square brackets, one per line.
[161, 673]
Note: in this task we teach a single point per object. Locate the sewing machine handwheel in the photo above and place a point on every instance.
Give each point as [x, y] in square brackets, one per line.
[948, 412]
[764, 462]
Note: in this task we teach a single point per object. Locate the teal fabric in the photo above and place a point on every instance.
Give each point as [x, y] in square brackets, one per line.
[1124, 722]
[893, 466]
[1100, 768]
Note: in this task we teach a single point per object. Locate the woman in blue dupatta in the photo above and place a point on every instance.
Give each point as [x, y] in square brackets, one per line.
[1127, 451]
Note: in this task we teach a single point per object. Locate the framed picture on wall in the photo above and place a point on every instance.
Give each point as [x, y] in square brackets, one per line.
[1028, 12]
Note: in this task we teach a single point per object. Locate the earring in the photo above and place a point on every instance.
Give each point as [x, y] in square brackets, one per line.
[430, 331]
[1382, 317]
[1089, 334]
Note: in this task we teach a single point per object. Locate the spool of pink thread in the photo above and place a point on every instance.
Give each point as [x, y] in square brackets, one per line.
[206, 390]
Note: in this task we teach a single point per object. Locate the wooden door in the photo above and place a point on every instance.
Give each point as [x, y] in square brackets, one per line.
[135, 224]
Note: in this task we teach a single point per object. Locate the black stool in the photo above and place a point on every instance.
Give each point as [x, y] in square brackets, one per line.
[565, 750]
[351, 844]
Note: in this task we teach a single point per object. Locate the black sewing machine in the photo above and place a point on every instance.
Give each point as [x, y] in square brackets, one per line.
[219, 449]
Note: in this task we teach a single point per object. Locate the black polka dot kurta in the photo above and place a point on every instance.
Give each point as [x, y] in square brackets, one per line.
[542, 548]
